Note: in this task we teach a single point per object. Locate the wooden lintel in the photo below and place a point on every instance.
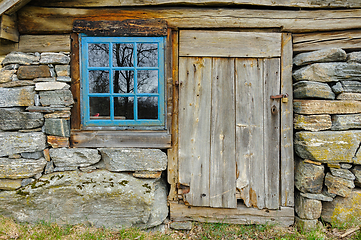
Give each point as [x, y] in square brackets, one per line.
[9, 28]
[241, 215]
[129, 27]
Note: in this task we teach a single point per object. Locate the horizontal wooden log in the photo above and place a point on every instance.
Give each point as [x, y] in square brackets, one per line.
[240, 215]
[34, 20]
[130, 27]
[348, 40]
[279, 3]
[9, 28]
[11, 6]
[120, 139]
[38, 43]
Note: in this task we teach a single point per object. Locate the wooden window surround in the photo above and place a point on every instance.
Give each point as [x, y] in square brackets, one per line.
[117, 133]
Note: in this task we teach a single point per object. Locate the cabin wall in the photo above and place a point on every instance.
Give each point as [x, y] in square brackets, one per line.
[327, 123]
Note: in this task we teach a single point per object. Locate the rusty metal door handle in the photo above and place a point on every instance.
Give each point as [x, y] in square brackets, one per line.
[279, 96]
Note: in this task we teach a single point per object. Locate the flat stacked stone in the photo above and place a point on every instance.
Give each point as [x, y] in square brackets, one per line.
[323, 55]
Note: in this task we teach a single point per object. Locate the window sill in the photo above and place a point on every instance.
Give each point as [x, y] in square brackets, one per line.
[141, 139]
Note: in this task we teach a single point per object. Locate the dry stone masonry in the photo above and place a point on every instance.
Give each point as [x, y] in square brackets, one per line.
[327, 123]
[43, 178]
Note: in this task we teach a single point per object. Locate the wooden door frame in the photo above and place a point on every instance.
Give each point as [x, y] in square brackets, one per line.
[242, 215]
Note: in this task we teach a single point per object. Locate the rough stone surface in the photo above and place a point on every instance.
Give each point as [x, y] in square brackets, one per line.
[342, 173]
[132, 159]
[48, 86]
[307, 208]
[46, 109]
[347, 87]
[63, 169]
[32, 155]
[13, 97]
[320, 196]
[15, 120]
[308, 89]
[49, 168]
[20, 58]
[54, 58]
[181, 225]
[349, 96]
[343, 210]
[329, 146]
[57, 127]
[324, 55]
[62, 70]
[21, 168]
[306, 225]
[338, 186]
[326, 107]
[6, 75]
[74, 157]
[61, 114]
[10, 184]
[27, 181]
[13, 142]
[63, 79]
[344, 122]
[31, 72]
[103, 198]
[147, 174]
[357, 172]
[354, 57]
[346, 165]
[13, 84]
[329, 72]
[57, 97]
[51, 79]
[58, 142]
[312, 122]
[11, 66]
[308, 177]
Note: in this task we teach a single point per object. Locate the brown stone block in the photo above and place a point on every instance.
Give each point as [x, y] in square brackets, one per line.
[31, 72]
[147, 174]
[46, 154]
[58, 142]
[326, 107]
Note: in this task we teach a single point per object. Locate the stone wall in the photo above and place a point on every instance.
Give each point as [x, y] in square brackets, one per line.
[42, 178]
[327, 141]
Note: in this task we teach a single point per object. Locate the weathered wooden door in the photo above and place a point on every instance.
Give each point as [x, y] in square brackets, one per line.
[230, 142]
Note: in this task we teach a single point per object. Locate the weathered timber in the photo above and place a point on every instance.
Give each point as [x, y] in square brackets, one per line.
[273, 3]
[129, 27]
[321, 40]
[38, 43]
[9, 28]
[241, 215]
[60, 20]
[75, 81]
[120, 139]
[227, 44]
[11, 6]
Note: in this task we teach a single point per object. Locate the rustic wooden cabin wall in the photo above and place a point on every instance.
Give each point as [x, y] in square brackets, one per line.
[218, 64]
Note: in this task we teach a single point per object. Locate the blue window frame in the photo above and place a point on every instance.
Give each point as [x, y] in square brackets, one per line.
[122, 81]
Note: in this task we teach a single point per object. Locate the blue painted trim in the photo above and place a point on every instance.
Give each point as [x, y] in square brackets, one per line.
[85, 95]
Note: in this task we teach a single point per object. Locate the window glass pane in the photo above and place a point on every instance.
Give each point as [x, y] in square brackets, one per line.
[123, 108]
[99, 81]
[147, 54]
[99, 107]
[98, 54]
[123, 55]
[147, 81]
[123, 81]
[148, 108]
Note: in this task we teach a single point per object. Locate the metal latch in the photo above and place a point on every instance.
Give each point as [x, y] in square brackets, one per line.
[283, 96]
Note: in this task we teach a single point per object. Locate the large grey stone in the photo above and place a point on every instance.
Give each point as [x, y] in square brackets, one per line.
[57, 97]
[342, 173]
[133, 159]
[329, 72]
[32, 155]
[347, 87]
[323, 55]
[306, 225]
[319, 196]
[308, 177]
[349, 96]
[48, 86]
[15, 120]
[21, 96]
[312, 122]
[13, 142]
[54, 58]
[343, 210]
[20, 58]
[21, 168]
[57, 127]
[309, 89]
[326, 107]
[357, 172]
[329, 146]
[74, 157]
[354, 57]
[103, 198]
[307, 208]
[62, 70]
[339, 186]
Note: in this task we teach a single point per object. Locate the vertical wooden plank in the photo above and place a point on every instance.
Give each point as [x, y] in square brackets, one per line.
[194, 128]
[287, 169]
[271, 132]
[75, 81]
[168, 77]
[222, 159]
[249, 131]
[173, 153]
